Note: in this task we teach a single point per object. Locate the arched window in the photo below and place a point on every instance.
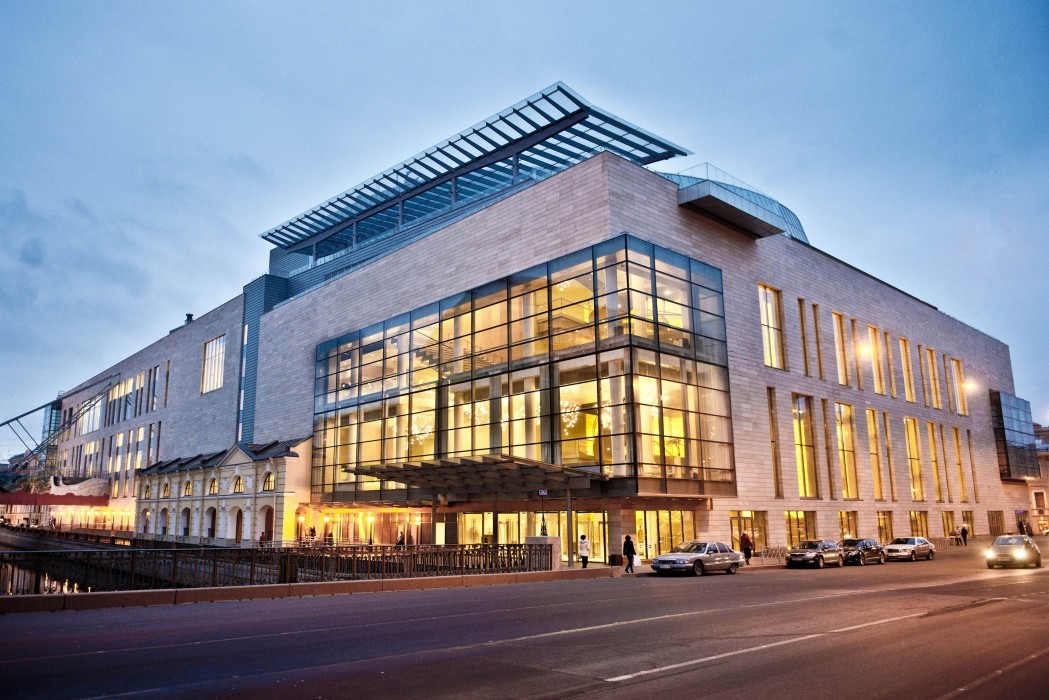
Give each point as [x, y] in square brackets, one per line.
[238, 485]
[213, 487]
[148, 491]
[166, 491]
[268, 482]
[188, 491]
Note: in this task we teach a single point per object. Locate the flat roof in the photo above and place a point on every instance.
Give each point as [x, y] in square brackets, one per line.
[549, 131]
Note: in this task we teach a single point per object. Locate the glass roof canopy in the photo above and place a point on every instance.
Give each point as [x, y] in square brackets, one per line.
[543, 134]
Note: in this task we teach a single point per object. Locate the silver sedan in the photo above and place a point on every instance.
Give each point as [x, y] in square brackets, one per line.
[910, 548]
[699, 558]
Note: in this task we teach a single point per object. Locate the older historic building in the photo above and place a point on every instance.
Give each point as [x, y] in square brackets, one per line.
[528, 326]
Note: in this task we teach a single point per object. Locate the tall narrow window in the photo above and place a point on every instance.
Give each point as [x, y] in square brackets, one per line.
[914, 458]
[829, 447]
[839, 348]
[908, 369]
[958, 382]
[875, 355]
[874, 444]
[848, 523]
[804, 337]
[934, 378]
[888, 365]
[889, 454]
[885, 526]
[805, 446]
[972, 465]
[919, 523]
[771, 326]
[214, 359]
[777, 476]
[856, 355]
[846, 450]
[963, 493]
[818, 330]
[934, 455]
[801, 525]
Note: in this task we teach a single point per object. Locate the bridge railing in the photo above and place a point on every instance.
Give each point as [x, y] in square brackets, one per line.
[184, 567]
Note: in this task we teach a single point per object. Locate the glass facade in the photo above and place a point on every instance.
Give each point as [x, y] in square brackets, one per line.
[610, 359]
[1014, 436]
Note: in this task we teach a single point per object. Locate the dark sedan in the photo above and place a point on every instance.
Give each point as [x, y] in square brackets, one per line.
[862, 551]
[815, 553]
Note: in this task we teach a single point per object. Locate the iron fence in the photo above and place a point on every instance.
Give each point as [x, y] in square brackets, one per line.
[183, 567]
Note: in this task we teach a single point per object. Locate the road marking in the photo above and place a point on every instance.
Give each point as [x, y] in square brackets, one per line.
[761, 647]
[992, 676]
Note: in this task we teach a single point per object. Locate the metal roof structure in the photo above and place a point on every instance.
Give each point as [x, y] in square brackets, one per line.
[482, 475]
[545, 133]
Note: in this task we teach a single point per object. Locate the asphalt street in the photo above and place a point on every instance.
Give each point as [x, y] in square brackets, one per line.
[939, 629]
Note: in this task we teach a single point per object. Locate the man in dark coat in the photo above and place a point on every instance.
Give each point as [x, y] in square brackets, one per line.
[746, 545]
[628, 554]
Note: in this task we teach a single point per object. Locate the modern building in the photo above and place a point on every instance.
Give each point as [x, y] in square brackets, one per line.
[527, 326]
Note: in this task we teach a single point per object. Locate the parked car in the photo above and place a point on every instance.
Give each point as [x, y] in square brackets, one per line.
[910, 548]
[1013, 550]
[699, 558]
[817, 553]
[862, 552]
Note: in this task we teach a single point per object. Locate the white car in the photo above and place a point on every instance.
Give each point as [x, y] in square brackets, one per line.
[699, 558]
[910, 548]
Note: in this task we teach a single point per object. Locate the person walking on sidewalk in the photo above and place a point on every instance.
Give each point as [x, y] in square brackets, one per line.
[628, 554]
[746, 545]
[965, 536]
[584, 550]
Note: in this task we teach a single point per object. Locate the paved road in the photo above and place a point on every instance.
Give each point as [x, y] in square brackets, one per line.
[939, 629]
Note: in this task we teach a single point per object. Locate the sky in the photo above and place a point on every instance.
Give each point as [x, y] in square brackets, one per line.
[144, 145]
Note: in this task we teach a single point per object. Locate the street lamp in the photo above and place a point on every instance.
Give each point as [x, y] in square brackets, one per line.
[371, 527]
[327, 528]
[302, 519]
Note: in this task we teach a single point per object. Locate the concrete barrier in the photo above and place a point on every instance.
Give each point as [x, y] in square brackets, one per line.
[167, 596]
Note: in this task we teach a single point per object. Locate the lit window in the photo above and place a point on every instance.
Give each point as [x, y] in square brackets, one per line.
[934, 377]
[238, 485]
[268, 482]
[214, 359]
[839, 348]
[213, 487]
[958, 386]
[874, 443]
[805, 447]
[875, 355]
[934, 458]
[908, 369]
[846, 450]
[956, 434]
[914, 458]
[771, 326]
[148, 491]
[165, 492]
[188, 490]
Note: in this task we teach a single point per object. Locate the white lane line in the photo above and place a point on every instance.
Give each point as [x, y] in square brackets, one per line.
[762, 647]
[992, 676]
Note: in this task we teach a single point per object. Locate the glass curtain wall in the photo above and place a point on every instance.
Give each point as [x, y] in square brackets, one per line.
[611, 359]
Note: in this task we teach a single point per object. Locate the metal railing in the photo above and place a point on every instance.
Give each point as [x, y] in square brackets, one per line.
[183, 567]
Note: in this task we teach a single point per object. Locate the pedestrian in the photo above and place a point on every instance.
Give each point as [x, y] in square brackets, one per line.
[746, 545]
[628, 554]
[1030, 530]
[584, 550]
[965, 536]
[955, 537]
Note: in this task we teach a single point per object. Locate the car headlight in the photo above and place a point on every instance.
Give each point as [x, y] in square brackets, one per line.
[989, 554]
[1020, 554]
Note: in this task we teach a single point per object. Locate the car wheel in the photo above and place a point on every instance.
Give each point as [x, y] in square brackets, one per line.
[698, 569]
[861, 559]
[990, 565]
[841, 560]
[732, 568]
[1038, 563]
[819, 562]
[932, 553]
[881, 558]
[913, 558]
[789, 565]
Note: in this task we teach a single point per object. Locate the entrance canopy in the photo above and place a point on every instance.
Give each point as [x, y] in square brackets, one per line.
[482, 475]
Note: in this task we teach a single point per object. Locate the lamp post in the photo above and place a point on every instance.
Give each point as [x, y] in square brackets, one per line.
[371, 528]
[327, 528]
[302, 519]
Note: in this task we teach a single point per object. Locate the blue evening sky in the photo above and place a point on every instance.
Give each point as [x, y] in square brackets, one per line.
[145, 145]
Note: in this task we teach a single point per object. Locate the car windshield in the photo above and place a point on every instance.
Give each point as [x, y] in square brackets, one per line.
[690, 547]
[851, 543]
[808, 544]
[1009, 540]
[904, 540]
